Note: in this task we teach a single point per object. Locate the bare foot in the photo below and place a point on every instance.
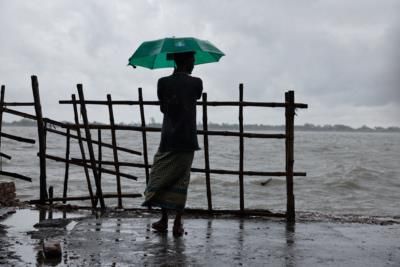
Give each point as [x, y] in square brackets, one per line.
[178, 230]
[160, 226]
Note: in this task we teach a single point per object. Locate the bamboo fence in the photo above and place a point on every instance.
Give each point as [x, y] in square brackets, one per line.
[96, 165]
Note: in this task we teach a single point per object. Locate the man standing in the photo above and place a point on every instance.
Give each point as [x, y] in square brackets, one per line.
[170, 174]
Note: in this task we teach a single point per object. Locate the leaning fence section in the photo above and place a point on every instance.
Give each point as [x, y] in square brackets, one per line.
[94, 165]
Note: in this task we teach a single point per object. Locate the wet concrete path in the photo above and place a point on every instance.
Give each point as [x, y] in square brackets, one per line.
[127, 240]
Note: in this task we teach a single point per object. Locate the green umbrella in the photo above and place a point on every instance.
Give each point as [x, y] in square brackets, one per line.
[156, 54]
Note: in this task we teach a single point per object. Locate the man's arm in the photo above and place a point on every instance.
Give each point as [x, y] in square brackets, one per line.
[159, 94]
[199, 88]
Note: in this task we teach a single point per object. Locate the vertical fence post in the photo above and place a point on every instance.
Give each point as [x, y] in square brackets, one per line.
[85, 168]
[289, 122]
[115, 152]
[99, 158]
[41, 137]
[67, 145]
[51, 195]
[206, 152]
[241, 147]
[99, 192]
[99, 153]
[144, 137]
[3, 89]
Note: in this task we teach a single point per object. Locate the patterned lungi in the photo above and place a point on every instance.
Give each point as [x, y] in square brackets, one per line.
[169, 180]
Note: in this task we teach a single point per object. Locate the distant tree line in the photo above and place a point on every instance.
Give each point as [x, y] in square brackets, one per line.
[235, 126]
[305, 127]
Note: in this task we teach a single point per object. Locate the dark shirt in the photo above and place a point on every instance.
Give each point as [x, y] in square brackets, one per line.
[178, 94]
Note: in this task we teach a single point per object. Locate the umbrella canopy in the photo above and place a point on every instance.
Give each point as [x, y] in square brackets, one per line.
[156, 54]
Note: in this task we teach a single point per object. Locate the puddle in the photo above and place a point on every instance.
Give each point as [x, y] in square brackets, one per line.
[27, 251]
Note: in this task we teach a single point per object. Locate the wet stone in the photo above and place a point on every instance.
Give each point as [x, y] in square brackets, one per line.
[52, 249]
[56, 223]
[6, 211]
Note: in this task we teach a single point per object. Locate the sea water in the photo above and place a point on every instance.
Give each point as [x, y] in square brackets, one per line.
[347, 172]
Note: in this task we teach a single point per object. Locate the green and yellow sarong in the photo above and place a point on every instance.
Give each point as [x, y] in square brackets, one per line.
[169, 180]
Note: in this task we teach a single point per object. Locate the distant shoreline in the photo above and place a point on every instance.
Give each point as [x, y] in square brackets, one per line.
[307, 127]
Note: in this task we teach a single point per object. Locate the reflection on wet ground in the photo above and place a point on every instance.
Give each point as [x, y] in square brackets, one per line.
[127, 240]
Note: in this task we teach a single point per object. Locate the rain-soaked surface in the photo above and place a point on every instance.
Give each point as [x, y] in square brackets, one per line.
[126, 239]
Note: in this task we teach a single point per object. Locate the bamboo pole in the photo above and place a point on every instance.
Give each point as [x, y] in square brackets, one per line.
[18, 113]
[78, 131]
[80, 163]
[51, 191]
[213, 171]
[144, 137]
[289, 115]
[16, 175]
[106, 162]
[248, 173]
[17, 138]
[19, 104]
[90, 145]
[254, 104]
[241, 148]
[114, 102]
[115, 153]
[206, 153]
[100, 157]
[80, 198]
[41, 137]
[247, 212]
[99, 153]
[199, 103]
[66, 175]
[200, 132]
[2, 155]
[98, 142]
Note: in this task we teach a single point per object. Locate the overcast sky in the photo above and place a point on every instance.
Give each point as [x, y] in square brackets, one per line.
[340, 57]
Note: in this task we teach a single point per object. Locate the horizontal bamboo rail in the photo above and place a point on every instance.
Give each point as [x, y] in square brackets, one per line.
[106, 162]
[80, 198]
[248, 173]
[199, 170]
[17, 138]
[18, 104]
[157, 129]
[16, 175]
[3, 155]
[59, 159]
[199, 103]
[131, 151]
[67, 126]
[18, 113]
[246, 212]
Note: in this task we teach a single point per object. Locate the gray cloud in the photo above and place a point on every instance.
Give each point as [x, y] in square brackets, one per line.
[338, 56]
